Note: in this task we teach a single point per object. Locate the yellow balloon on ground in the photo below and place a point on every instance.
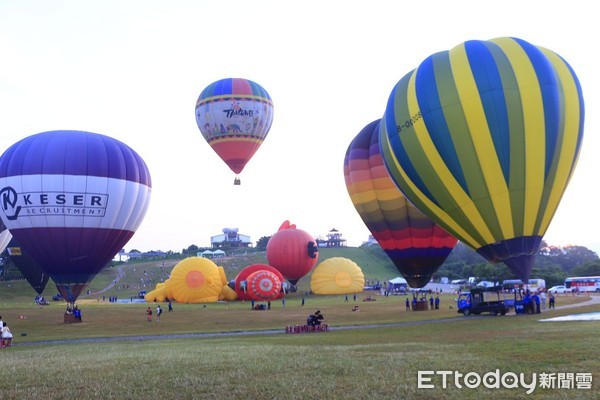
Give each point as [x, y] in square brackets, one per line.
[159, 294]
[228, 294]
[195, 280]
[222, 274]
[337, 275]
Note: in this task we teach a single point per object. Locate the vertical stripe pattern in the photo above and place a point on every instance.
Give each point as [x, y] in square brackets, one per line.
[484, 139]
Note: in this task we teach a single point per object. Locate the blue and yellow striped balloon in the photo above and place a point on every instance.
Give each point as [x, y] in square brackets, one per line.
[484, 139]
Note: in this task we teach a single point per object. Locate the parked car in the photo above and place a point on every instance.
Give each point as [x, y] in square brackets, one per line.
[558, 289]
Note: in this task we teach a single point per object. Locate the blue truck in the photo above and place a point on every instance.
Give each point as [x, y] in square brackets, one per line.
[482, 300]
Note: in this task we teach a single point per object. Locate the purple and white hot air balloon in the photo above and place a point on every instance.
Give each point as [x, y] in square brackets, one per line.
[73, 199]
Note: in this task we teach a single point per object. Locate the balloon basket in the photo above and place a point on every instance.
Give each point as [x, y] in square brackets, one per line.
[237, 182]
[71, 319]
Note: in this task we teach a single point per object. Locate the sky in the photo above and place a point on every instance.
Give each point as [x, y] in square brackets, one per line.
[134, 69]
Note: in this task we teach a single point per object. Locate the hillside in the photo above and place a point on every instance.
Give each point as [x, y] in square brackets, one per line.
[125, 280]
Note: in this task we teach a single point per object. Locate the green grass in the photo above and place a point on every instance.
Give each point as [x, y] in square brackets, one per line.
[379, 361]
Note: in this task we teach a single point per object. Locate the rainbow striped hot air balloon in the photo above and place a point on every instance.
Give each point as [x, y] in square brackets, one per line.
[234, 116]
[484, 138]
[415, 244]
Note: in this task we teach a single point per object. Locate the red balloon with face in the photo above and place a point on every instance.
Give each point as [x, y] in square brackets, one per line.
[293, 252]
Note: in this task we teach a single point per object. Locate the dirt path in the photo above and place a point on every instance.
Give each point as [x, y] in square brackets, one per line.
[593, 299]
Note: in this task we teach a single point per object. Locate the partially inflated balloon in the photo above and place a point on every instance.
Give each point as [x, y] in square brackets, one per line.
[337, 275]
[242, 284]
[73, 199]
[484, 139]
[234, 116]
[195, 280]
[263, 285]
[416, 245]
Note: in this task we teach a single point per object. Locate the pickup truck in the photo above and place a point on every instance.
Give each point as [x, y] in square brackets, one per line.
[479, 301]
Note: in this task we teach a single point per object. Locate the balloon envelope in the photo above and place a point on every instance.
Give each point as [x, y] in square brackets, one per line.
[484, 139]
[263, 285]
[29, 267]
[234, 115]
[337, 275]
[242, 285]
[73, 199]
[416, 245]
[292, 252]
[5, 236]
[194, 280]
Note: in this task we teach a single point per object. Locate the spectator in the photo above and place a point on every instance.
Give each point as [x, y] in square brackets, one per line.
[77, 314]
[6, 335]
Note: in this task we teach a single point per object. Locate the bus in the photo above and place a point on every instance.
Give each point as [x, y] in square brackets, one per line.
[583, 284]
[534, 285]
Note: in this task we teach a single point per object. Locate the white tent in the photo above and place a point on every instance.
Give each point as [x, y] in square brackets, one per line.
[206, 254]
[398, 284]
[218, 253]
[398, 281]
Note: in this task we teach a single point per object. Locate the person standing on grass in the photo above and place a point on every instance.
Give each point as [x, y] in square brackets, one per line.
[551, 301]
[170, 307]
[149, 314]
[407, 304]
[158, 312]
[6, 335]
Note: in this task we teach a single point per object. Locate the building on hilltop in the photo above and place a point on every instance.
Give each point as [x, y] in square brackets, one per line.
[371, 241]
[334, 239]
[230, 238]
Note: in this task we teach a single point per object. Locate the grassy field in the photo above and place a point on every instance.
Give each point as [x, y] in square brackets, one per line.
[171, 359]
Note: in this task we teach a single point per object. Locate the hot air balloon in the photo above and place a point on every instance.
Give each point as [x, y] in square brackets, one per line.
[5, 236]
[72, 199]
[29, 267]
[484, 139]
[243, 282]
[292, 251]
[234, 115]
[337, 275]
[194, 280]
[31, 270]
[416, 245]
[263, 285]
